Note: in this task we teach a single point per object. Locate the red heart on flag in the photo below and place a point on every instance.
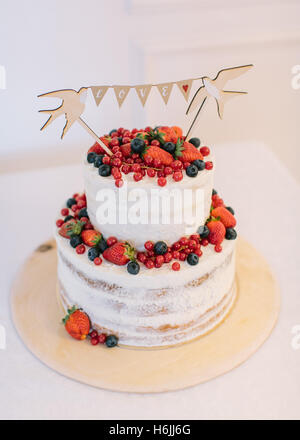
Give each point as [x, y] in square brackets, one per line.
[185, 87]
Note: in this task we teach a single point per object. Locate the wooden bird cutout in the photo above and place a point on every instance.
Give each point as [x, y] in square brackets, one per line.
[72, 106]
[214, 88]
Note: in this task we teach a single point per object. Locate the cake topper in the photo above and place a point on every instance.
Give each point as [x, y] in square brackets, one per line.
[73, 102]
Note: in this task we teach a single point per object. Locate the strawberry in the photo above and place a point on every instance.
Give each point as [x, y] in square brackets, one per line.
[187, 152]
[177, 130]
[71, 227]
[90, 237]
[217, 201]
[119, 253]
[159, 154]
[224, 216]
[96, 148]
[168, 134]
[77, 323]
[126, 149]
[217, 232]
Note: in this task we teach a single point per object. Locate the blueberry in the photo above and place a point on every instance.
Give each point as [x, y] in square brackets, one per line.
[230, 234]
[112, 131]
[230, 209]
[203, 231]
[71, 202]
[93, 253]
[192, 259]
[195, 142]
[102, 245]
[91, 157]
[133, 267]
[111, 341]
[160, 248]
[137, 145]
[83, 213]
[98, 160]
[200, 164]
[69, 217]
[214, 192]
[104, 170]
[191, 171]
[169, 147]
[120, 140]
[75, 240]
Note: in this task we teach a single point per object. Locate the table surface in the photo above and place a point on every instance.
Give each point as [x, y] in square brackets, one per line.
[266, 200]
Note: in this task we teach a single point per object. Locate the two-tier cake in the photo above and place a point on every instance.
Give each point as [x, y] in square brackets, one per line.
[124, 258]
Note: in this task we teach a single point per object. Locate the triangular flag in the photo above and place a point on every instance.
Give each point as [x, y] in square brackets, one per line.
[143, 92]
[98, 93]
[165, 91]
[121, 92]
[185, 87]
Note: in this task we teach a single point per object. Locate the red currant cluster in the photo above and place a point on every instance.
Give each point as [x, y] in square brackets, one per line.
[101, 338]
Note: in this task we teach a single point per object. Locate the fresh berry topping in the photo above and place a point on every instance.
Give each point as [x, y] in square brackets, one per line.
[106, 160]
[195, 142]
[64, 212]
[230, 234]
[192, 259]
[216, 232]
[137, 145]
[230, 209]
[149, 264]
[80, 249]
[77, 323]
[120, 253]
[91, 157]
[168, 257]
[200, 164]
[126, 149]
[71, 202]
[187, 152]
[160, 248]
[158, 154]
[98, 261]
[90, 237]
[224, 216]
[162, 181]
[177, 176]
[104, 170]
[75, 241]
[176, 266]
[151, 172]
[168, 171]
[59, 222]
[192, 171]
[70, 228]
[133, 267]
[209, 165]
[102, 338]
[111, 341]
[138, 176]
[169, 147]
[93, 253]
[111, 240]
[205, 151]
[149, 245]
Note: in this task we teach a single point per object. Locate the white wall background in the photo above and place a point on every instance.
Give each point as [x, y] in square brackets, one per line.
[70, 43]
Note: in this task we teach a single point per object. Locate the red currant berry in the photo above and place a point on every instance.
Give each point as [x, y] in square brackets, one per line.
[151, 172]
[148, 160]
[64, 211]
[177, 165]
[114, 134]
[155, 142]
[126, 139]
[80, 249]
[209, 165]
[205, 151]
[118, 155]
[129, 160]
[59, 222]
[195, 237]
[161, 181]
[176, 254]
[183, 241]
[156, 163]
[114, 142]
[106, 160]
[136, 168]
[186, 164]
[94, 341]
[111, 241]
[159, 259]
[176, 246]
[134, 131]
[116, 173]
[115, 150]
[192, 244]
[177, 176]
[204, 242]
[149, 264]
[84, 220]
[182, 256]
[81, 204]
[97, 261]
[125, 169]
[168, 257]
[102, 338]
[168, 171]
[150, 254]
[176, 266]
[116, 162]
[94, 334]
[119, 183]
[198, 252]
[149, 245]
[141, 257]
[148, 129]
[137, 176]
[218, 248]
[74, 208]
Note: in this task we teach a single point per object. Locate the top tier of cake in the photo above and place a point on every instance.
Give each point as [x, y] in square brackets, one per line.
[145, 194]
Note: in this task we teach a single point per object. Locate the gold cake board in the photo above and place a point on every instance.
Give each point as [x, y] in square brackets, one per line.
[37, 317]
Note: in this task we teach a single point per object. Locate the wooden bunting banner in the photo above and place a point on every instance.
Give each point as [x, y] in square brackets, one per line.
[185, 87]
[143, 92]
[121, 92]
[165, 91]
[98, 93]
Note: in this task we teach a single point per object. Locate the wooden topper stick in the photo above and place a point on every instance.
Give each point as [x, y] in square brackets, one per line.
[72, 107]
[214, 88]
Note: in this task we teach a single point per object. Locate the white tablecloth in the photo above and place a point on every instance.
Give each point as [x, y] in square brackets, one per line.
[266, 200]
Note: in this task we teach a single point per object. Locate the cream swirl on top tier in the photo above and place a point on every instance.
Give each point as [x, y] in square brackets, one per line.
[137, 234]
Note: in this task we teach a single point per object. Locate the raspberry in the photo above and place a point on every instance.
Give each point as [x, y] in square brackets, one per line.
[176, 266]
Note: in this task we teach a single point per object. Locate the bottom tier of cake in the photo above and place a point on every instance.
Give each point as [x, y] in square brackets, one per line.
[155, 308]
